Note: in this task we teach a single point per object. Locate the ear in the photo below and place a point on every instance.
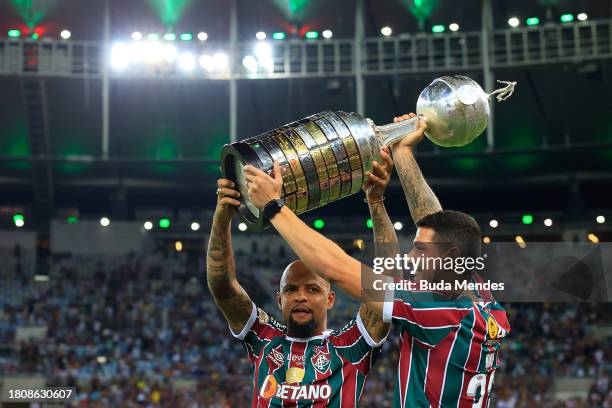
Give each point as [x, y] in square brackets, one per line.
[331, 299]
[278, 300]
[453, 252]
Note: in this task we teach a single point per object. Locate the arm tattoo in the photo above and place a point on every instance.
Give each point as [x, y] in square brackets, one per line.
[372, 321]
[229, 296]
[421, 199]
[385, 239]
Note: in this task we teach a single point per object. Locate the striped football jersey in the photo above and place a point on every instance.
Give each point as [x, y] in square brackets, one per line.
[449, 349]
[328, 370]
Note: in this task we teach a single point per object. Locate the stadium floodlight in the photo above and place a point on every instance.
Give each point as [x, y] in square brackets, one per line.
[65, 34]
[104, 221]
[493, 223]
[186, 37]
[369, 223]
[153, 37]
[513, 22]
[439, 28]
[520, 241]
[600, 219]
[164, 223]
[148, 225]
[567, 18]
[279, 35]
[19, 220]
[136, 36]
[260, 35]
[548, 222]
[178, 245]
[328, 34]
[186, 62]
[35, 36]
[532, 21]
[527, 219]
[593, 238]
[206, 62]
[250, 63]
[14, 33]
[202, 36]
[398, 226]
[170, 37]
[386, 31]
[453, 27]
[242, 226]
[486, 240]
[220, 61]
[266, 63]
[312, 35]
[195, 226]
[263, 49]
[120, 56]
[170, 52]
[582, 16]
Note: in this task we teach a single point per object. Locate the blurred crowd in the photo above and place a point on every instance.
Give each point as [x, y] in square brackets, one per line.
[142, 330]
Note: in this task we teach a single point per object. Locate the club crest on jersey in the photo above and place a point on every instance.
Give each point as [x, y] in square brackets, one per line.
[275, 357]
[320, 360]
[272, 389]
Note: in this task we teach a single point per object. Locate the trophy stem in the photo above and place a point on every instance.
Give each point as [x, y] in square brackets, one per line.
[394, 132]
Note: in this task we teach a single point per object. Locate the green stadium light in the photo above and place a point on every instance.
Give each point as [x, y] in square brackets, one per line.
[18, 217]
[35, 36]
[438, 28]
[533, 21]
[279, 35]
[369, 223]
[72, 219]
[319, 224]
[153, 37]
[527, 219]
[164, 223]
[186, 37]
[567, 18]
[312, 35]
[169, 36]
[14, 33]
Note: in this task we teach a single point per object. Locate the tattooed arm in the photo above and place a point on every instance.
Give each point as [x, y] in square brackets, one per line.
[229, 296]
[421, 199]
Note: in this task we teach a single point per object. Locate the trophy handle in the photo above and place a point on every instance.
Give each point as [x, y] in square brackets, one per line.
[394, 132]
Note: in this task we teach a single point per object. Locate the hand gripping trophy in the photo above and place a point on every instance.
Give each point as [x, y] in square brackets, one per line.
[325, 156]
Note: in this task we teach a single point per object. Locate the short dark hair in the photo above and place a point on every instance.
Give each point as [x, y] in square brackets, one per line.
[456, 228]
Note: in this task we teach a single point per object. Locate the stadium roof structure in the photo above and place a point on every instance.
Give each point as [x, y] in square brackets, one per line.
[165, 128]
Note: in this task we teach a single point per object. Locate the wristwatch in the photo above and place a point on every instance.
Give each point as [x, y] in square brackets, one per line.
[272, 208]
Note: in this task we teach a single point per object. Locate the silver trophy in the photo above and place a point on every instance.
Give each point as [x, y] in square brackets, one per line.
[326, 156]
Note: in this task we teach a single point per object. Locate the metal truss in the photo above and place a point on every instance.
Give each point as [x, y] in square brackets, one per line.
[419, 53]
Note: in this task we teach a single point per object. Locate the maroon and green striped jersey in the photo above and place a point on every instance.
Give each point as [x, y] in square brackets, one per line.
[328, 370]
[449, 349]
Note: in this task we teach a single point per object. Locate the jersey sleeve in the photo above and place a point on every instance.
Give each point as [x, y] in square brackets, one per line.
[355, 345]
[260, 329]
[427, 316]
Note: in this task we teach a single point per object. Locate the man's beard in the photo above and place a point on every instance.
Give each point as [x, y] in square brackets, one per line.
[301, 330]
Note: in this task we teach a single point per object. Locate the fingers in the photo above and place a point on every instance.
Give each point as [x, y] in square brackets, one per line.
[375, 179]
[379, 170]
[386, 157]
[404, 117]
[253, 171]
[229, 201]
[278, 177]
[228, 192]
[225, 183]
[422, 124]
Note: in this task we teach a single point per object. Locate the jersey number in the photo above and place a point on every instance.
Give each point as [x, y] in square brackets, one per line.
[477, 385]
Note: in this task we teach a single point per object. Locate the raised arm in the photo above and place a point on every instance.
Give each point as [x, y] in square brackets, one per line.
[385, 238]
[229, 296]
[421, 199]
